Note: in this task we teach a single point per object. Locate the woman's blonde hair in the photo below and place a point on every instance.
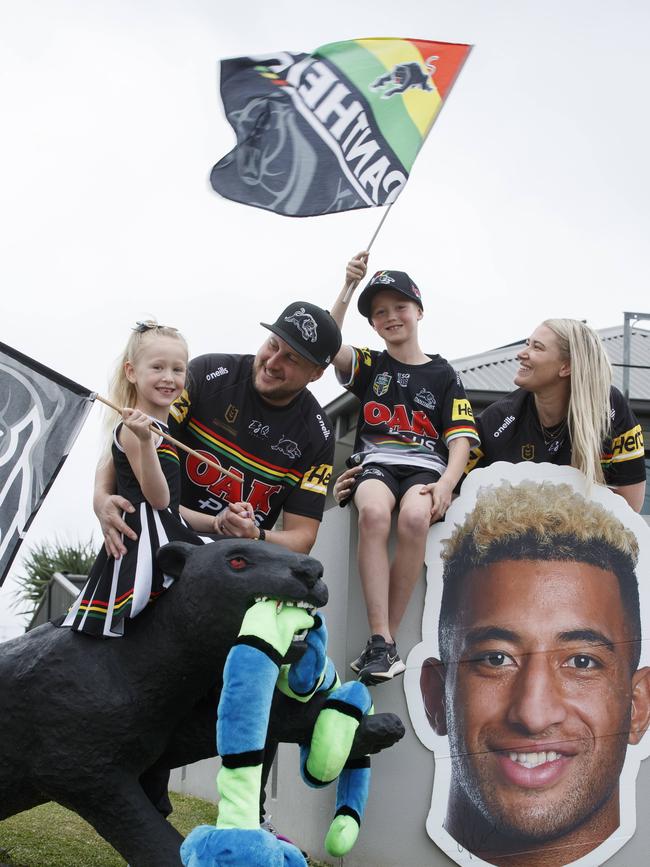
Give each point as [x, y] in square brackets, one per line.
[121, 391]
[588, 417]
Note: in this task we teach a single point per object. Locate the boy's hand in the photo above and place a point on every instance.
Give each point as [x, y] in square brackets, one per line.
[440, 492]
[356, 268]
[137, 422]
[344, 485]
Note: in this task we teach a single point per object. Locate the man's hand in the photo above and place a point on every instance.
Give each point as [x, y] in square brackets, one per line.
[113, 526]
[237, 520]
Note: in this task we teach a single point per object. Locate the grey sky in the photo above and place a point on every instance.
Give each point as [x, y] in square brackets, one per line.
[528, 200]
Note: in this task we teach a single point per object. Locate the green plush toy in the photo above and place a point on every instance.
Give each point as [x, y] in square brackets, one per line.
[253, 670]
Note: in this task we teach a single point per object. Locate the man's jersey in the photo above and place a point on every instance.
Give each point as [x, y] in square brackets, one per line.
[510, 430]
[282, 456]
[409, 412]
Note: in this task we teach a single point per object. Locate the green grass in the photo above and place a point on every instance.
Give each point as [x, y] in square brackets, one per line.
[51, 836]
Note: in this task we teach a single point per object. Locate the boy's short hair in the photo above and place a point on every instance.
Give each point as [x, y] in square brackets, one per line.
[538, 521]
[396, 281]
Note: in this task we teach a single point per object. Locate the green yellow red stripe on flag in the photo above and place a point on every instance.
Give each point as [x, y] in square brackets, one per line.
[404, 118]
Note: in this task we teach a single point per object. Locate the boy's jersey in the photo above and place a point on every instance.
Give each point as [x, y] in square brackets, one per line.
[282, 456]
[409, 412]
[510, 430]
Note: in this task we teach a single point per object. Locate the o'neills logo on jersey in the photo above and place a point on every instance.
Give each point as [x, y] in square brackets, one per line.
[215, 374]
[323, 426]
[508, 420]
[331, 108]
[397, 420]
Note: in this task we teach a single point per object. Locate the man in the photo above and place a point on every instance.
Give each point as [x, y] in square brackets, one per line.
[538, 687]
[257, 418]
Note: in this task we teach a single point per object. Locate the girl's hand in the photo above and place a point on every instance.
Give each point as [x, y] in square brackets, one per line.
[356, 268]
[440, 492]
[137, 422]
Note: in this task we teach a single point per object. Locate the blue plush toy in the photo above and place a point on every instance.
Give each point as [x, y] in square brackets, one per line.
[252, 671]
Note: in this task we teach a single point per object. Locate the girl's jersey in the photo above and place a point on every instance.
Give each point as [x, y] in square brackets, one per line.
[127, 484]
[510, 430]
[409, 412]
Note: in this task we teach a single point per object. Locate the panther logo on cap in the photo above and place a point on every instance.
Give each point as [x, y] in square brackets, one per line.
[305, 323]
[382, 277]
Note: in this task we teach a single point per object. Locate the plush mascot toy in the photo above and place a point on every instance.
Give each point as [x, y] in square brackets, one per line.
[252, 671]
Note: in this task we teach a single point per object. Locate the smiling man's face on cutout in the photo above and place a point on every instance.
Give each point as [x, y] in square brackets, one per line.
[540, 700]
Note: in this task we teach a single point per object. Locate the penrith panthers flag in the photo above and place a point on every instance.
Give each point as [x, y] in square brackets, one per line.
[333, 130]
[41, 413]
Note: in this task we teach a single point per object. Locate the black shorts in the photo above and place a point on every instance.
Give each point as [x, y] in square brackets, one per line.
[398, 479]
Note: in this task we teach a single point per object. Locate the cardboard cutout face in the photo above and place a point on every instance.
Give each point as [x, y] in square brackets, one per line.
[531, 694]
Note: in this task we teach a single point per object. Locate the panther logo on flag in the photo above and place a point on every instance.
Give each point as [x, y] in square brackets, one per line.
[404, 76]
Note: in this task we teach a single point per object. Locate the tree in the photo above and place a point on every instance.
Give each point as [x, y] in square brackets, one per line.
[43, 560]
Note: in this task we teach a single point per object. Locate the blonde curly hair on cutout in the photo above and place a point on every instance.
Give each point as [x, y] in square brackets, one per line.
[550, 512]
[588, 416]
[121, 392]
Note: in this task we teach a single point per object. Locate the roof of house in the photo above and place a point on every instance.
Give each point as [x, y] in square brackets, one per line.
[495, 369]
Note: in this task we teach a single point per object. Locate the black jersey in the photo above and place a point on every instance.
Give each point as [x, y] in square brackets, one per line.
[510, 430]
[128, 485]
[409, 412]
[282, 456]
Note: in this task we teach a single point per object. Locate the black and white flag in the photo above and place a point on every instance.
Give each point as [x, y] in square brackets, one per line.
[41, 413]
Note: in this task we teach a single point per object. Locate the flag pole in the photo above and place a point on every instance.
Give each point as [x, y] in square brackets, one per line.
[349, 289]
[152, 427]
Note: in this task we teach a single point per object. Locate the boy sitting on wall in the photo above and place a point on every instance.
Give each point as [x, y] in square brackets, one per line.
[413, 439]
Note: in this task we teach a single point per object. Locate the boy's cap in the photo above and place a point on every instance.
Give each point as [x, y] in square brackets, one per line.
[309, 330]
[398, 281]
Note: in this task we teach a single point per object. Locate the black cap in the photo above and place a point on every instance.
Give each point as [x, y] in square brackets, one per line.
[397, 281]
[309, 330]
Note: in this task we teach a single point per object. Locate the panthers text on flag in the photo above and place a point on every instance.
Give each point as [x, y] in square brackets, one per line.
[333, 130]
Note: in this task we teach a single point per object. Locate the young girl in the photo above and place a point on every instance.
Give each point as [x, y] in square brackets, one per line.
[147, 380]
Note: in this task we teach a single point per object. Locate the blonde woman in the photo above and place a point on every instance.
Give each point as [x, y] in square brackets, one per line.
[566, 411]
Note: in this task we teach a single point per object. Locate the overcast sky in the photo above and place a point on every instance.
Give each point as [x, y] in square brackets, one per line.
[528, 200]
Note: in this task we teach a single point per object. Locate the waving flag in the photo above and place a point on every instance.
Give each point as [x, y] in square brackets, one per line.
[333, 130]
[41, 413]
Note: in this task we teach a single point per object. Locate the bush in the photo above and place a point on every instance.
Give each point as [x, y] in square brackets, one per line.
[43, 560]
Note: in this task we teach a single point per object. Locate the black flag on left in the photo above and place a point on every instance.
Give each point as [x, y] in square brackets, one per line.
[41, 413]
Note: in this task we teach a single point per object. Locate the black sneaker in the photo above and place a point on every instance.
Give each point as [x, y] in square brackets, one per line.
[357, 664]
[381, 663]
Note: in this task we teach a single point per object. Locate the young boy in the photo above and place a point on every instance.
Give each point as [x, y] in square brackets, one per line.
[413, 439]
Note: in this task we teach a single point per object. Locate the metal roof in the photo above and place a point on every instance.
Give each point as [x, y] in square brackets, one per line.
[495, 369]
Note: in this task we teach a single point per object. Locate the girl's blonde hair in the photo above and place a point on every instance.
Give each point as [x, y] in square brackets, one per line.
[588, 417]
[121, 392]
